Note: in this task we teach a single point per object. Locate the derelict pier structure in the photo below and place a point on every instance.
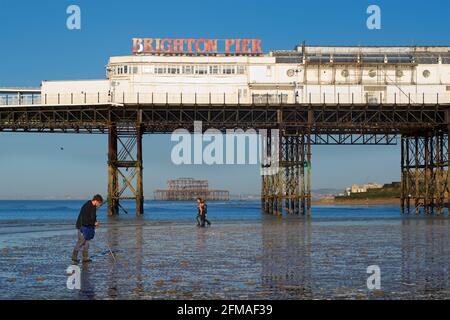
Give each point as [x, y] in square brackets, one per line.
[184, 189]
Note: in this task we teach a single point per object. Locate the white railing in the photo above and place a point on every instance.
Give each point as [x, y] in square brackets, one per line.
[225, 98]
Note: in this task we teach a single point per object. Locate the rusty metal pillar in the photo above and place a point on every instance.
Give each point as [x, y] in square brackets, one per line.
[427, 176]
[308, 159]
[443, 164]
[407, 180]
[302, 176]
[265, 149]
[402, 175]
[139, 173]
[264, 175]
[278, 179]
[286, 190]
[308, 174]
[291, 154]
[125, 169]
[268, 173]
[424, 168]
[446, 163]
[439, 187]
[297, 175]
[416, 175]
[271, 189]
[287, 170]
[113, 203]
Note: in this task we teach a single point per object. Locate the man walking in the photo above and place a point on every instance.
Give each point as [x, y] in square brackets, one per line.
[86, 224]
[199, 217]
[203, 212]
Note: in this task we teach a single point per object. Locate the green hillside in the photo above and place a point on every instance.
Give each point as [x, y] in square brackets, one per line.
[389, 190]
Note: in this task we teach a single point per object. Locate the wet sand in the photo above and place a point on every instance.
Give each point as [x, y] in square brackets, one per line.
[275, 258]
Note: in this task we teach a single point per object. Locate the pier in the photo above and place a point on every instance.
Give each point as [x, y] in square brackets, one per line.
[312, 95]
[423, 129]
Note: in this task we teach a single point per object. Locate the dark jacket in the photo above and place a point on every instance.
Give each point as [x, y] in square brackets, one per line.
[204, 211]
[87, 216]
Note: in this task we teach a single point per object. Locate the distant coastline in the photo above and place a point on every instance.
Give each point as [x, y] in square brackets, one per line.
[367, 201]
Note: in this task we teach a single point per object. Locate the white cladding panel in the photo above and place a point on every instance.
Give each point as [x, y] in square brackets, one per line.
[75, 86]
[75, 91]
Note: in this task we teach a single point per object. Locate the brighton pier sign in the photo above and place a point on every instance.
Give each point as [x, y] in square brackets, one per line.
[196, 46]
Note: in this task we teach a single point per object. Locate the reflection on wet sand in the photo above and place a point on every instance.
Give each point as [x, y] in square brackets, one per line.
[139, 289]
[112, 243]
[286, 263]
[305, 259]
[87, 291]
[272, 258]
[425, 257]
[202, 238]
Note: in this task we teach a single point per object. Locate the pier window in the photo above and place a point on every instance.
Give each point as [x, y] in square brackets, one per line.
[240, 69]
[127, 69]
[182, 69]
[188, 69]
[228, 70]
[173, 70]
[242, 93]
[201, 70]
[214, 69]
[160, 69]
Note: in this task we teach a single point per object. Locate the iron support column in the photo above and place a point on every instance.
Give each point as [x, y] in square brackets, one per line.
[113, 203]
[125, 169]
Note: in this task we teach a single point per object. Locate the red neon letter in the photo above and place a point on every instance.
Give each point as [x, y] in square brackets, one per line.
[197, 46]
[137, 45]
[256, 46]
[238, 46]
[245, 48]
[158, 45]
[228, 44]
[211, 45]
[169, 46]
[148, 47]
[178, 45]
[189, 43]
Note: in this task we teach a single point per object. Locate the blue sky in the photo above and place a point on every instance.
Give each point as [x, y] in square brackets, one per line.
[36, 45]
